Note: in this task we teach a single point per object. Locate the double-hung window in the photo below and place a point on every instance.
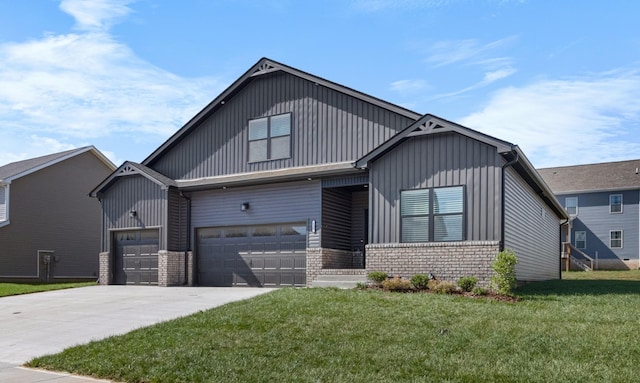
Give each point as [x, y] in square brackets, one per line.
[571, 205]
[4, 194]
[270, 138]
[615, 239]
[581, 240]
[615, 203]
[432, 215]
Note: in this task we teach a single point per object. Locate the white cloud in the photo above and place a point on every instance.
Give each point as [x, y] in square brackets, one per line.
[568, 121]
[86, 85]
[96, 14]
[407, 86]
[455, 51]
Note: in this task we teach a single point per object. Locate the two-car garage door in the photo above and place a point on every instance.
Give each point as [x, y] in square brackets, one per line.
[261, 255]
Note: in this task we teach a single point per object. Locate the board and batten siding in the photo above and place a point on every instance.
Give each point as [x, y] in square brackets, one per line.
[282, 203]
[336, 219]
[448, 159]
[177, 224]
[134, 192]
[594, 218]
[326, 126]
[532, 231]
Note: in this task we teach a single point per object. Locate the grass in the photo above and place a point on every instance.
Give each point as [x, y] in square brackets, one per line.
[572, 330]
[7, 289]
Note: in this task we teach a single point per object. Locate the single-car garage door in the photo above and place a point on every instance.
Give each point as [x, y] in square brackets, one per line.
[264, 255]
[136, 260]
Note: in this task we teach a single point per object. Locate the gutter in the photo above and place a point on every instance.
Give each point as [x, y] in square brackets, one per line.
[188, 238]
[502, 204]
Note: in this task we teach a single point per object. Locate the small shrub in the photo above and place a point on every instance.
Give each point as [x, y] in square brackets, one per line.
[503, 280]
[378, 276]
[433, 284]
[361, 286]
[396, 284]
[420, 281]
[467, 283]
[479, 291]
[444, 287]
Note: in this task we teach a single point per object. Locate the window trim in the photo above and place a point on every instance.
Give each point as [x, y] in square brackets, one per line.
[611, 204]
[432, 215]
[575, 239]
[621, 239]
[269, 138]
[5, 221]
[566, 208]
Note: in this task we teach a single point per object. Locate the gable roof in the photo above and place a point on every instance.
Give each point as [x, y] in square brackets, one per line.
[15, 170]
[132, 168]
[430, 124]
[263, 67]
[621, 175]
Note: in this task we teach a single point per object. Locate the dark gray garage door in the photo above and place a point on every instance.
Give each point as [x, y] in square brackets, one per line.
[136, 260]
[264, 255]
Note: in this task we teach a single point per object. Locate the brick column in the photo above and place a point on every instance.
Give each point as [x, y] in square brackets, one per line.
[171, 268]
[105, 277]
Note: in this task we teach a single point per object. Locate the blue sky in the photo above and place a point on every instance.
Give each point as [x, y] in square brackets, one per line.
[559, 78]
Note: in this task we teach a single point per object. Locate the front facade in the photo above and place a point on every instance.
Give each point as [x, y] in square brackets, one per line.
[49, 226]
[603, 201]
[286, 176]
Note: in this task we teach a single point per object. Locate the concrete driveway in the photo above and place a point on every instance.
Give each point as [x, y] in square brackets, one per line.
[38, 324]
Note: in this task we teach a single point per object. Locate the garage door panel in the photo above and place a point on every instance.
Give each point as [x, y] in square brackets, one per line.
[136, 257]
[252, 256]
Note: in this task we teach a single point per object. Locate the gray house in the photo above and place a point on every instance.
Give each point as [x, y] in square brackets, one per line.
[49, 226]
[603, 202]
[287, 178]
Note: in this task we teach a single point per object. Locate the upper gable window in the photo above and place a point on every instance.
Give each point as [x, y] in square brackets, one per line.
[571, 205]
[615, 203]
[3, 203]
[270, 138]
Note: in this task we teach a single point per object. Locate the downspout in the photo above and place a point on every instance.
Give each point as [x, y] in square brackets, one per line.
[502, 224]
[188, 238]
[562, 224]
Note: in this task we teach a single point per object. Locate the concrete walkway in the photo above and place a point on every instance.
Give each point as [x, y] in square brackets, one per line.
[44, 323]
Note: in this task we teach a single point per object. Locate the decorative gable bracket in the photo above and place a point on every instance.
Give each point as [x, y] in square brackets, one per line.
[264, 68]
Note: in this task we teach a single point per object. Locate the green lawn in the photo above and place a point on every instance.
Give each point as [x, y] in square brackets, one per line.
[574, 330]
[7, 289]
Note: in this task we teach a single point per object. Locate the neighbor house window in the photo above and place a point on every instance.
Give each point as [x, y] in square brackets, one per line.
[270, 138]
[3, 202]
[615, 239]
[581, 239]
[615, 203]
[432, 215]
[571, 205]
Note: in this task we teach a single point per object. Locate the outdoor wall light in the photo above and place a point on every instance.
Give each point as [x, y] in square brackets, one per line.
[133, 213]
[244, 206]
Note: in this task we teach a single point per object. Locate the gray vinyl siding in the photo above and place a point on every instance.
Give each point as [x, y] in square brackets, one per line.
[50, 209]
[283, 203]
[594, 218]
[138, 193]
[177, 222]
[532, 231]
[327, 126]
[336, 219]
[434, 161]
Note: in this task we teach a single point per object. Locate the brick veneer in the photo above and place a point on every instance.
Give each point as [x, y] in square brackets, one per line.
[445, 260]
[171, 268]
[320, 258]
[105, 268]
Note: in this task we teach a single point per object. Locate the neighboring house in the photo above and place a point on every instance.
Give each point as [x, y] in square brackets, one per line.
[286, 177]
[603, 202]
[49, 226]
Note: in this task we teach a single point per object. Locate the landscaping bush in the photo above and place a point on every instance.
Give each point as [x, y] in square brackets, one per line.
[467, 283]
[378, 276]
[420, 281]
[443, 287]
[432, 284]
[503, 280]
[479, 291]
[396, 284]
